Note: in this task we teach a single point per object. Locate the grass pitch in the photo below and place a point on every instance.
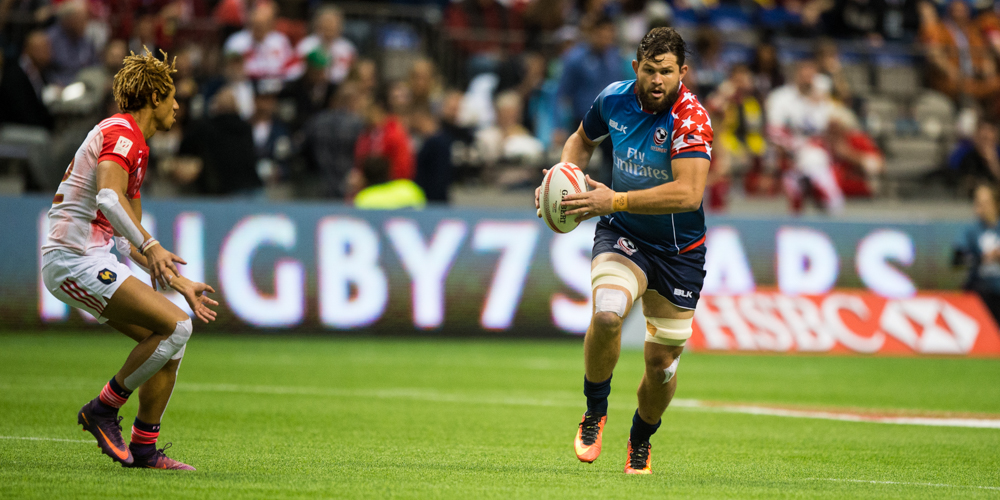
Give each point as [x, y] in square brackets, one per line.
[276, 417]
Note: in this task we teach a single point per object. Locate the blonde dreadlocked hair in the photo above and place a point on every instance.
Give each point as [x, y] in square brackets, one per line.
[142, 76]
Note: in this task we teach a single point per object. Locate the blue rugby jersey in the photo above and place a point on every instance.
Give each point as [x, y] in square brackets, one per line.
[644, 144]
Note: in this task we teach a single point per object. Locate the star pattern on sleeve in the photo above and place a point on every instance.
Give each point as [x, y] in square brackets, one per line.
[692, 128]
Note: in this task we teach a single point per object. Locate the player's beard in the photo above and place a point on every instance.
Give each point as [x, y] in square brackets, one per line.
[653, 105]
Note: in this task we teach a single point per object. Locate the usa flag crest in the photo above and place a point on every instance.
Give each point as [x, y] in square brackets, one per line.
[660, 136]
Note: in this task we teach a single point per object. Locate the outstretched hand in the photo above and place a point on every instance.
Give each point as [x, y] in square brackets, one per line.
[193, 292]
[596, 202]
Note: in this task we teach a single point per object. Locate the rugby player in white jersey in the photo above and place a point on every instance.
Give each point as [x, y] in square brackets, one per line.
[97, 200]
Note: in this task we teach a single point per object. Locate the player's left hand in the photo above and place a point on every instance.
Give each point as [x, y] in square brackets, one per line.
[593, 203]
[194, 293]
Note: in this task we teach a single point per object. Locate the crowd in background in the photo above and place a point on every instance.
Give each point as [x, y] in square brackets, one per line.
[816, 100]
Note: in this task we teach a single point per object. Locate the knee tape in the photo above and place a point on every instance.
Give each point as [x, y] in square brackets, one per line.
[668, 331]
[610, 272]
[170, 348]
[610, 300]
[671, 370]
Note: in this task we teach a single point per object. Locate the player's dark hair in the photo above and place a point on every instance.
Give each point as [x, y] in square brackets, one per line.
[660, 41]
[142, 76]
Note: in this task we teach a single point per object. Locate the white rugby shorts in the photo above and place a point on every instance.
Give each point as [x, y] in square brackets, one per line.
[83, 281]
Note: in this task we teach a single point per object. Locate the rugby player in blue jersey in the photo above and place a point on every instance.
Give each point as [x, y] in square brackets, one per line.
[650, 239]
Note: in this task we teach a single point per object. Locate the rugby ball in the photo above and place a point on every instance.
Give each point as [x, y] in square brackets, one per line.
[561, 180]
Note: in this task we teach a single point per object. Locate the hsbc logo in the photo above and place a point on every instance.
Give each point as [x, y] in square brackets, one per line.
[856, 322]
[930, 325]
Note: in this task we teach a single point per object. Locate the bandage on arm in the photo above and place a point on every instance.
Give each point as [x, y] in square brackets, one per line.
[109, 204]
[112, 179]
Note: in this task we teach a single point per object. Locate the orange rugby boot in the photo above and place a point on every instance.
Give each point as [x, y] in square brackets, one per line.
[638, 459]
[588, 437]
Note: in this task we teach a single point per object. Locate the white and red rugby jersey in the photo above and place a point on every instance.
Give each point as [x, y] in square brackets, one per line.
[75, 224]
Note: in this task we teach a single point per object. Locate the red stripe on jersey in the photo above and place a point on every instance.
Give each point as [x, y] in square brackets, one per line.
[693, 245]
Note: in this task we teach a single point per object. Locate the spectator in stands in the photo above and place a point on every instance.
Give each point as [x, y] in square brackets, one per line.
[378, 191]
[434, 165]
[709, 69]
[266, 52]
[978, 247]
[330, 139]
[312, 92]
[425, 84]
[797, 116]
[508, 143]
[18, 18]
[977, 159]
[828, 63]
[365, 74]
[22, 83]
[224, 143]
[959, 61]
[235, 78]
[327, 39]
[384, 136]
[855, 19]
[485, 31]
[271, 137]
[738, 113]
[71, 49]
[400, 102]
[988, 21]
[541, 19]
[766, 69]
[451, 106]
[858, 162]
[144, 34]
[587, 69]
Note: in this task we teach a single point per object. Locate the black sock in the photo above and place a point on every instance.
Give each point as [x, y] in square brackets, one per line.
[597, 395]
[641, 431]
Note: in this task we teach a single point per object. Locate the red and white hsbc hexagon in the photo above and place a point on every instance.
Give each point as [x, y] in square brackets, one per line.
[848, 321]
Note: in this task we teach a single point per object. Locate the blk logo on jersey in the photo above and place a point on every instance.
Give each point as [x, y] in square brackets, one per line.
[660, 136]
[626, 246]
[107, 276]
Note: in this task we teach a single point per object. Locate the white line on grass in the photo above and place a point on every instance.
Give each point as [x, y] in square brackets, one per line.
[26, 438]
[678, 403]
[936, 485]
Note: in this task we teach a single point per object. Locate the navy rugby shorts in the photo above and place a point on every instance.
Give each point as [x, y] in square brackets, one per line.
[678, 278]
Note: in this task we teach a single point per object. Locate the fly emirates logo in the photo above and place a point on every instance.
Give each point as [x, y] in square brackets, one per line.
[635, 165]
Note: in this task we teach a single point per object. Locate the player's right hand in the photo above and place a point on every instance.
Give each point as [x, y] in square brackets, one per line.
[162, 266]
[538, 191]
[194, 293]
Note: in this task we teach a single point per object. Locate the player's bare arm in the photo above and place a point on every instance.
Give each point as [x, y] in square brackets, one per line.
[159, 260]
[684, 194]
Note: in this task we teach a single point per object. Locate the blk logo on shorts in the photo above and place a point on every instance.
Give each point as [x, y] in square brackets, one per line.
[660, 136]
[682, 293]
[107, 276]
[626, 246]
